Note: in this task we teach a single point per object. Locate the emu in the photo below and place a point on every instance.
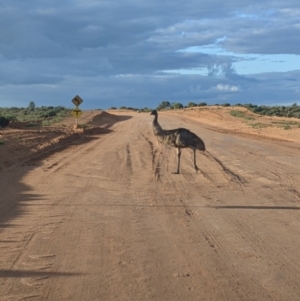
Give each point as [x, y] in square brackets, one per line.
[179, 138]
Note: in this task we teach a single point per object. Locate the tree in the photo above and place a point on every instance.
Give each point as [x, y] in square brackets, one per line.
[163, 105]
[178, 105]
[191, 104]
[31, 106]
[202, 104]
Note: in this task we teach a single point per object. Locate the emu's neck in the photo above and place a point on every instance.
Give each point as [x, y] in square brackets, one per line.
[157, 129]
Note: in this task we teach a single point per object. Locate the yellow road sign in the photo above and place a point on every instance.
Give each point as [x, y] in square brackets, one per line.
[77, 100]
[76, 113]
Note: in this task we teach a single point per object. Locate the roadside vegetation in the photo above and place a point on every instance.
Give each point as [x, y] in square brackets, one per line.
[279, 111]
[145, 109]
[47, 115]
[240, 114]
[251, 114]
[33, 115]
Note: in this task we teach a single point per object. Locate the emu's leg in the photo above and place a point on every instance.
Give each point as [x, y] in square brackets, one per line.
[195, 165]
[178, 160]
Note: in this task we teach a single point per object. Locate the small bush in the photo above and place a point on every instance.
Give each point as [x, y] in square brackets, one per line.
[49, 113]
[11, 118]
[240, 114]
[259, 125]
[191, 105]
[163, 105]
[4, 121]
[176, 105]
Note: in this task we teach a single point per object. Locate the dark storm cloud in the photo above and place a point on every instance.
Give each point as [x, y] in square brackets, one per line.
[117, 52]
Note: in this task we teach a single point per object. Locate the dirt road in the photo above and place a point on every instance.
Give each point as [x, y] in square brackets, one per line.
[106, 219]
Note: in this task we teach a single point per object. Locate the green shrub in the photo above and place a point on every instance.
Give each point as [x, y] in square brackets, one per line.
[11, 117]
[177, 105]
[163, 105]
[49, 113]
[4, 121]
[259, 125]
[240, 114]
[280, 111]
[191, 104]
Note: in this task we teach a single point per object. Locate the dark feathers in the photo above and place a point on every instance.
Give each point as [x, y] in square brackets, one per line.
[179, 138]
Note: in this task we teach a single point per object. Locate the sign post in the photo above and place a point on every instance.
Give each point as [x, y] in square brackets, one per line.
[77, 101]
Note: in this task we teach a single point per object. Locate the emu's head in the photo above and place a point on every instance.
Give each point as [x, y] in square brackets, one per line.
[154, 112]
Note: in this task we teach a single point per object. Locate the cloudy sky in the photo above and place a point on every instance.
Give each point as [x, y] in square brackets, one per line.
[138, 52]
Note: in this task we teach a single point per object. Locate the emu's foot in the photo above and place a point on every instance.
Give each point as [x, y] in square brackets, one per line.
[175, 172]
[196, 168]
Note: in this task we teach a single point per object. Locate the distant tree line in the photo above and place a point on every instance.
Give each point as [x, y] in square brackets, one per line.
[31, 113]
[145, 109]
[166, 105]
[280, 111]
[177, 105]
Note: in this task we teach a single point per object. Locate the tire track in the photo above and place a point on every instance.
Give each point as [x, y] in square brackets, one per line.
[156, 165]
[153, 152]
[128, 158]
[269, 252]
[200, 231]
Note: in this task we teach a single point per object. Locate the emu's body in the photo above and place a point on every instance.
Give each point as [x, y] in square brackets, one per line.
[178, 138]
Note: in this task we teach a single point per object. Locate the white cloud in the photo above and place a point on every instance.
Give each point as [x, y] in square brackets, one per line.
[228, 88]
[130, 52]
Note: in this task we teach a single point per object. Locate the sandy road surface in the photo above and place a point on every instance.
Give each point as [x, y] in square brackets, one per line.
[106, 220]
